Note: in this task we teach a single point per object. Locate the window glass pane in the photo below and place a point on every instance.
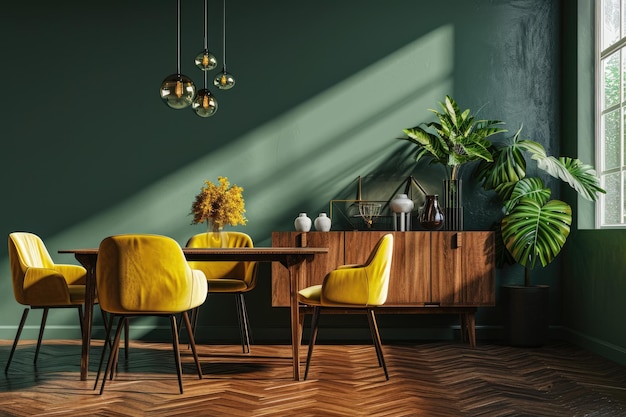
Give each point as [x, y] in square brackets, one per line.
[623, 12]
[623, 219]
[611, 140]
[610, 66]
[610, 22]
[612, 198]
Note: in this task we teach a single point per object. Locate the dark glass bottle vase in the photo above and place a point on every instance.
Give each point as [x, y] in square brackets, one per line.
[453, 204]
[431, 216]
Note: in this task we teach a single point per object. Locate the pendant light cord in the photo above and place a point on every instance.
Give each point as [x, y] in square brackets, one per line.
[178, 38]
[223, 36]
[206, 31]
[206, 38]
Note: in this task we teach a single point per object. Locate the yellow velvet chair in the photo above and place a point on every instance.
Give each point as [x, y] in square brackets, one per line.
[353, 287]
[228, 277]
[39, 283]
[146, 275]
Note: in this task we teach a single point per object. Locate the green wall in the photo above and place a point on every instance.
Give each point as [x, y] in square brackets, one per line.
[323, 89]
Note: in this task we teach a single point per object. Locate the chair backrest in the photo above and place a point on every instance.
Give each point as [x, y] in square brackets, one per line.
[146, 274]
[26, 250]
[245, 271]
[361, 285]
[378, 268]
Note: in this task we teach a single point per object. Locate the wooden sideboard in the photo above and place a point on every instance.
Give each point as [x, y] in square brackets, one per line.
[431, 272]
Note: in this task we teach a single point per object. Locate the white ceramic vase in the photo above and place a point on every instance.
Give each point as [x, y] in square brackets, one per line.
[322, 223]
[302, 223]
[401, 206]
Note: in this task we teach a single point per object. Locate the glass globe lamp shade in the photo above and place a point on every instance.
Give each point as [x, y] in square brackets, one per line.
[224, 81]
[205, 60]
[205, 104]
[177, 91]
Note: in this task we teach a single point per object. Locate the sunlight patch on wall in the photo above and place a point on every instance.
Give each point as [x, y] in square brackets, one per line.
[299, 160]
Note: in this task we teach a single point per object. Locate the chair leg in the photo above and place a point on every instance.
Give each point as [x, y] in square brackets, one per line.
[301, 317]
[108, 324]
[244, 325]
[179, 367]
[114, 349]
[373, 334]
[44, 317]
[81, 316]
[126, 333]
[17, 338]
[314, 324]
[126, 338]
[377, 342]
[194, 320]
[116, 354]
[192, 343]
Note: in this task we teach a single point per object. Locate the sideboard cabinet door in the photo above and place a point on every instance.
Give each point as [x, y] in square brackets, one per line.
[463, 268]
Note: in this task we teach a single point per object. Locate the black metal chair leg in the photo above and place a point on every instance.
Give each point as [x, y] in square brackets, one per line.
[116, 355]
[107, 342]
[179, 366]
[44, 317]
[249, 338]
[373, 335]
[192, 343]
[194, 320]
[114, 349]
[314, 324]
[106, 320]
[377, 342]
[242, 316]
[17, 338]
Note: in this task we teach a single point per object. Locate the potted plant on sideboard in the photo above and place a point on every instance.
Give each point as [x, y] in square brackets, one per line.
[534, 227]
[455, 139]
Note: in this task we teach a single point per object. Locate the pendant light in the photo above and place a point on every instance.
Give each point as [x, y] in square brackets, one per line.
[177, 90]
[205, 104]
[224, 80]
[205, 60]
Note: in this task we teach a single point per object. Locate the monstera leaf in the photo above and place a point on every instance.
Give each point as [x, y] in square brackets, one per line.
[579, 176]
[508, 165]
[533, 231]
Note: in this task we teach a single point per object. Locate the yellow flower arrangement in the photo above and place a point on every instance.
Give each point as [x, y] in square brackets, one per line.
[219, 205]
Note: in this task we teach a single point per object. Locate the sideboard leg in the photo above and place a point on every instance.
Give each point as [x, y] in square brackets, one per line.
[471, 328]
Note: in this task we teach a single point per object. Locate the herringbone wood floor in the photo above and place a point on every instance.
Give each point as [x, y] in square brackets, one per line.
[427, 379]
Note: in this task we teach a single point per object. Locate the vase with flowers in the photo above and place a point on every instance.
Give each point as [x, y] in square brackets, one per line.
[219, 205]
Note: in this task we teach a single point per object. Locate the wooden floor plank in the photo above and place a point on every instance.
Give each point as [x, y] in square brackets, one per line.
[427, 379]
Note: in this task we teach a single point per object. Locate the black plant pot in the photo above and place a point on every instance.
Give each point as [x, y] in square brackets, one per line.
[528, 315]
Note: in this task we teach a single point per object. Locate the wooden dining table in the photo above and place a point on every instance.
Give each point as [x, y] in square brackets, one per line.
[292, 258]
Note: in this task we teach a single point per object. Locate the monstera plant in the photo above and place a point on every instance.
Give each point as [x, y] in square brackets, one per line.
[534, 227]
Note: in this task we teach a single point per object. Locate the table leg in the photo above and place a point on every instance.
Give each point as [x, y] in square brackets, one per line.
[295, 272]
[90, 294]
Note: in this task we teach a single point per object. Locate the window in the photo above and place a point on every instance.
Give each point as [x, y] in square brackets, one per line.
[611, 111]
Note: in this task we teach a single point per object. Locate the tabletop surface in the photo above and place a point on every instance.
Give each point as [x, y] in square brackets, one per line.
[208, 251]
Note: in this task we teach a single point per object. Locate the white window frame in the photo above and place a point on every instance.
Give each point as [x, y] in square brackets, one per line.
[618, 47]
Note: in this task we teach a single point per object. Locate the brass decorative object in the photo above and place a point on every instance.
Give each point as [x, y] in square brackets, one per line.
[369, 211]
